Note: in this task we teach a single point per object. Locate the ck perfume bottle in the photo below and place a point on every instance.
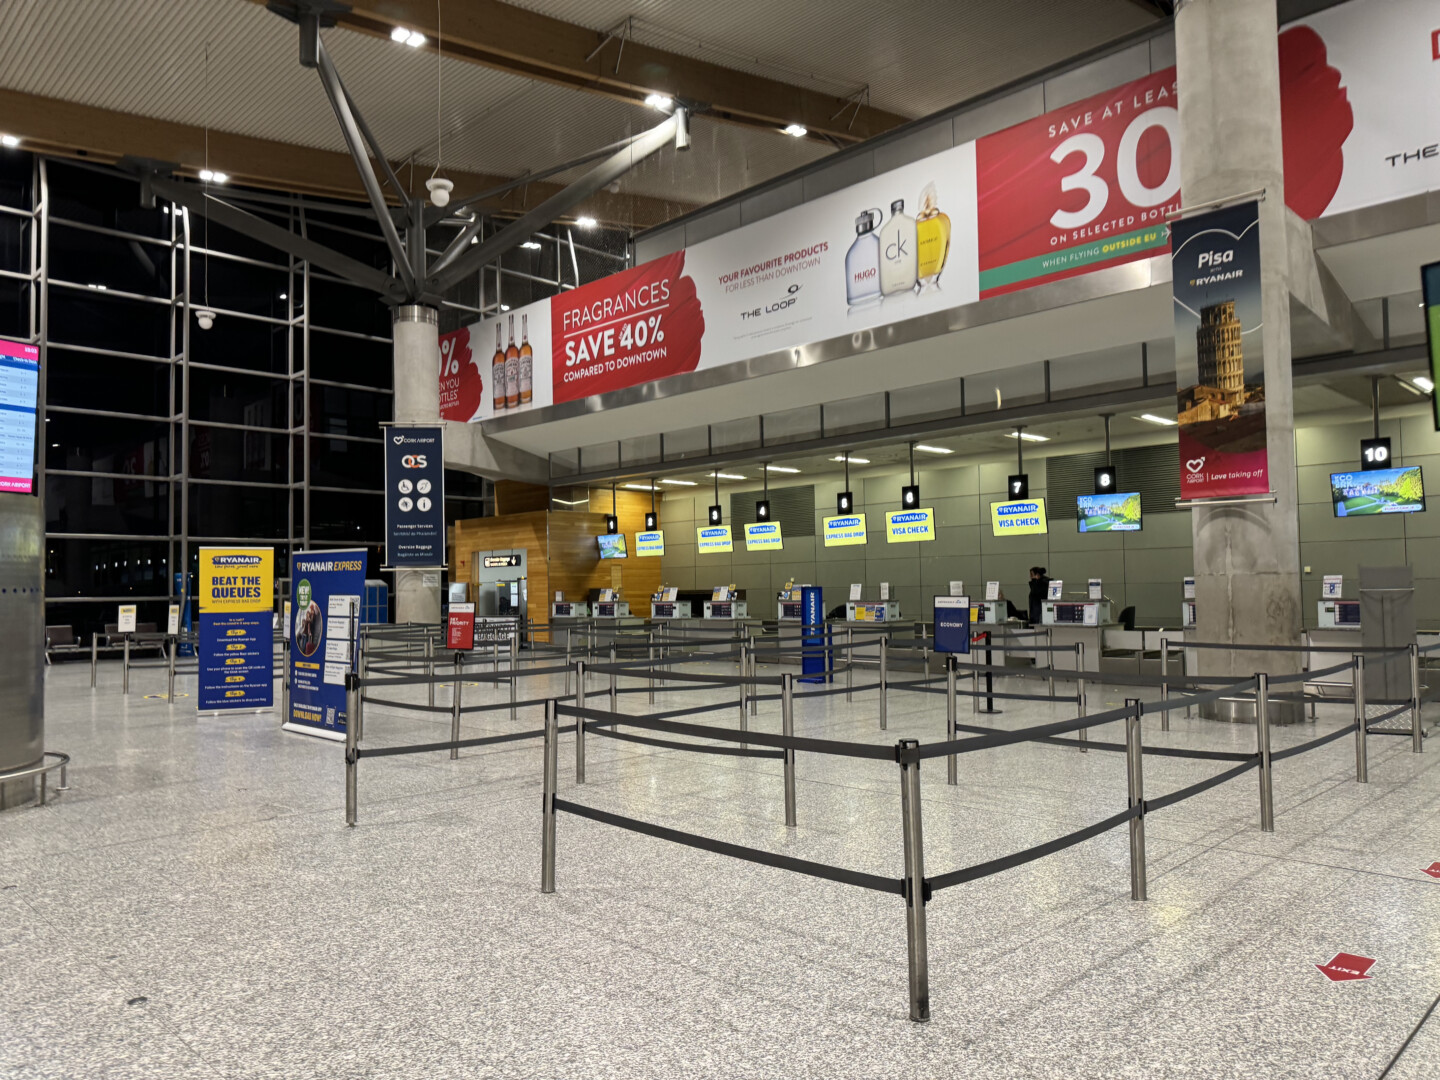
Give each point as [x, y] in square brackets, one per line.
[862, 261]
[527, 363]
[932, 235]
[512, 370]
[897, 251]
[497, 373]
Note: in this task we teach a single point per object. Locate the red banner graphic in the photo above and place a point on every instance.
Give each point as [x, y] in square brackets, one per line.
[1082, 187]
[632, 327]
[461, 386]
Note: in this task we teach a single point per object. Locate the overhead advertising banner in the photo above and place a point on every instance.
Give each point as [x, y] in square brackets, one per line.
[19, 385]
[905, 526]
[763, 536]
[236, 654]
[650, 543]
[414, 496]
[846, 530]
[1219, 354]
[713, 540]
[325, 586]
[1019, 517]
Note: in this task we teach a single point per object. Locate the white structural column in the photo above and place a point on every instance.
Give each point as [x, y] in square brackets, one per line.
[417, 400]
[1247, 557]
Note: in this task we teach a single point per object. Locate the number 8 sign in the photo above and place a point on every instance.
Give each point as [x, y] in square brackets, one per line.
[1084, 186]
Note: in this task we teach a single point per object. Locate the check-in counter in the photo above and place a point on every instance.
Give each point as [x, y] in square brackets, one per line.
[872, 611]
[727, 610]
[1082, 622]
[670, 609]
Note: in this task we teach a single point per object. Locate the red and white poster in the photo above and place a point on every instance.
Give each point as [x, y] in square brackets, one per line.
[1347, 967]
[461, 380]
[460, 627]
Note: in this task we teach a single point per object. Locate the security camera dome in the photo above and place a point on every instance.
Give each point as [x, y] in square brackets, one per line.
[206, 318]
[439, 189]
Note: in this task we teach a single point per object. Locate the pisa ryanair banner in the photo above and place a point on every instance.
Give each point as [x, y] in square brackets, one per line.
[326, 587]
[1219, 353]
[236, 656]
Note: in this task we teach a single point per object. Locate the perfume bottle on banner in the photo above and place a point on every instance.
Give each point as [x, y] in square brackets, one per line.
[897, 251]
[497, 373]
[512, 371]
[932, 237]
[527, 363]
[862, 261]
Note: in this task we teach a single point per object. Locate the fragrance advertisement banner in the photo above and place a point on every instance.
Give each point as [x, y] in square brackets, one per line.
[1219, 354]
[237, 595]
[326, 586]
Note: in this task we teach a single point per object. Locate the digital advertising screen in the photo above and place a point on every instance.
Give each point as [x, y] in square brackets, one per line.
[612, 545]
[1378, 491]
[19, 385]
[1108, 513]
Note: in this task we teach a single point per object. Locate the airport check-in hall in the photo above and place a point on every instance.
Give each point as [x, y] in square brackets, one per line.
[552, 539]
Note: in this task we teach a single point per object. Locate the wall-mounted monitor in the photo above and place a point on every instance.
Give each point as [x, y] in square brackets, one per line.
[1377, 491]
[612, 545]
[1108, 513]
[19, 387]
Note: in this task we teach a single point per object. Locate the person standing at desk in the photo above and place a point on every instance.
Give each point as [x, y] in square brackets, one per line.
[1039, 588]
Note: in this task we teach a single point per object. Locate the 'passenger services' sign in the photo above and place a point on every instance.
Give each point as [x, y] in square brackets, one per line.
[902, 526]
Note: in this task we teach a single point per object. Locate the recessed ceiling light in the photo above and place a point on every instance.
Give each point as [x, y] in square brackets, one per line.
[852, 459]
[682, 483]
[784, 468]
[659, 101]
[932, 449]
[284, 296]
[726, 476]
[1028, 437]
[504, 307]
[10, 141]
[796, 130]
[102, 288]
[585, 222]
[212, 176]
[1153, 419]
[531, 245]
[640, 487]
[399, 34]
[1422, 382]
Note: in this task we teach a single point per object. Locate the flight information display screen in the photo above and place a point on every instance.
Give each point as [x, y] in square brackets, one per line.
[19, 385]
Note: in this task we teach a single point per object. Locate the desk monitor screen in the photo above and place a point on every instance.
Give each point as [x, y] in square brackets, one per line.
[1070, 613]
[612, 545]
[1108, 513]
[1378, 491]
[1347, 613]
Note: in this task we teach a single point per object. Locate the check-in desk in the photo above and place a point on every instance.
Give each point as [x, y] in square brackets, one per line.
[994, 617]
[1339, 626]
[670, 609]
[1072, 622]
[567, 618]
[872, 611]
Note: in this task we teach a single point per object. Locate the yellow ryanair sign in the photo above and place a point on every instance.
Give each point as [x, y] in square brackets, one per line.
[1018, 517]
[236, 579]
[904, 526]
[846, 530]
[713, 539]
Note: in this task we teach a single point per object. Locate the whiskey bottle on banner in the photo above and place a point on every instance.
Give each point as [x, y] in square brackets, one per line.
[527, 363]
[932, 236]
[862, 261]
[897, 251]
[512, 370]
[497, 373]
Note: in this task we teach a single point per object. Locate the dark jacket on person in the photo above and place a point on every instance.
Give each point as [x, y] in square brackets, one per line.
[1039, 588]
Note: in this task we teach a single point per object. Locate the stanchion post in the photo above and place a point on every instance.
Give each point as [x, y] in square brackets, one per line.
[952, 761]
[613, 703]
[125, 671]
[170, 673]
[94, 655]
[1164, 682]
[743, 668]
[1084, 733]
[849, 664]
[1362, 756]
[1050, 657]
[1134, 760]
[650, 651]
[567, 661]
[430, 669]
[1417, 737]
[787, 728]
[284, 684]
[579, 722]
[514, 656]
[989, 672]
[754, 690]
[547, 828]
[352, 745]
[884, 679]
[454, 704]
[907, 753]
[1262, 736]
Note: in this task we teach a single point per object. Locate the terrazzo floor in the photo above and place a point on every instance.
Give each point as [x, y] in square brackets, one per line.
[194, 905]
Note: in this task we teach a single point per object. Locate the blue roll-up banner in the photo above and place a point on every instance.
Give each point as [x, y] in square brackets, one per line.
[952, 624]
[326, 590]
[414, 496]
[815, 656]
[236, 665]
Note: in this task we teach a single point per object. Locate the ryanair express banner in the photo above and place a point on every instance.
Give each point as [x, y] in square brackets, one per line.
[847, 530]
[763, 536]
[713, 540]
[1023, 517]
[650, 543]
[237, 595]
[326, 588]
[904, 526]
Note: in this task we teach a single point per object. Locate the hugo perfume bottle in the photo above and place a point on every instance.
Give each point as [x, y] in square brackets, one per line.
[932, 236]
[897, 251]
[862, 261]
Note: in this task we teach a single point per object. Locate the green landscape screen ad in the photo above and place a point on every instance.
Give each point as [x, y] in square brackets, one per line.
[1109, 513]
[1378, 491]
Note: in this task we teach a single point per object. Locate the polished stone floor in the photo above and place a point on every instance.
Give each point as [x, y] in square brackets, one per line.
[195, 907]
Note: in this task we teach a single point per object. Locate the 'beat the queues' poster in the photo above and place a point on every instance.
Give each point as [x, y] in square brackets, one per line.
[237, 587]
[326, 588]
[1219, 354]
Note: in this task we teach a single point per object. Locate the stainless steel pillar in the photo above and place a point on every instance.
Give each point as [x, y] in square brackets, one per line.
[650, 652]
[170, 674]
[1362, 757]
[579, 722]
[454, 703]
[1262, 735]
[1416, 735]
[1084, 733]
[1164, 682]
[1050, 657]
[1134, 761]
[547, 804]
[94, 656]
[849, 663]
[952, 762]
[352, 762]
[125, 669]
[906, 751]
[514, 657]
[430, 668]
[743, 712]
[884, 679]
[787, 728]
[613, 699]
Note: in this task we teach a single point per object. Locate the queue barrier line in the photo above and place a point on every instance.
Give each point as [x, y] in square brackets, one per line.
[361, 752]
[1031, 734]
[1237, 647]
[1252, 762]
[1291, 751]
[696, 748]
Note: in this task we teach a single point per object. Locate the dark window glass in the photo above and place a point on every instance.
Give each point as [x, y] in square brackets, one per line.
[241, 343]
[218, 453]
[107, 568]
[348, 307]
[14, 309]
[351, 360]
[91, 258]
[369, 249]
[346, 517]
[91, 381]
[91, 318]
[102, 504]
[207, 234]
[252, 400]
[97, 198]
[15, 243]
[343, 463]
[17, 179]
[348, 412]
[106, 444]
[237, 286]
[225, 510]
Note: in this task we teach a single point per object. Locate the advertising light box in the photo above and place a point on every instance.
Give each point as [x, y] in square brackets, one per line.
[1378, 491]
[650, 543]
[847, 530]
[1021, 517]
[908, 526]
[713, 540]
[763, 536]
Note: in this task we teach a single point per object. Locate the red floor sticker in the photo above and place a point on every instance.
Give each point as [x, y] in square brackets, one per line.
[1433, 870]
[1346, 967]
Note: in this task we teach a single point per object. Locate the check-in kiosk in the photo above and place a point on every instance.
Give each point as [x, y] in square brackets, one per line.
[791, 608]
[1075, 613]
[611, 609]
[872, 611]
[727, 603]
[1338, 626]
[666, 605]
[1082, 621]
[1339, 615]
[992, 612]
[570, 609]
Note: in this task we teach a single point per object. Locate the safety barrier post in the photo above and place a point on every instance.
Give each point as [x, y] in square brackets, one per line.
[352, 740]
[1416, 736]
[94, 656]
[884, 678]
[743, 668]
[1084, 733]
[1164, 682]
[613, 707]
[284, 684]
[650, 651]
[579, 722]
[170, 674]
[1050, 657]
[849, 664]
[547, 805]
[1362, 756]
[952, 762]
[924, 649]
[567, 661]
[787, 728]
[1262, 736]
[907, 754]
[514, 656]
[1134, 760]
[754, 690]
[125, 671]
[455, 705]
[430, 669]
